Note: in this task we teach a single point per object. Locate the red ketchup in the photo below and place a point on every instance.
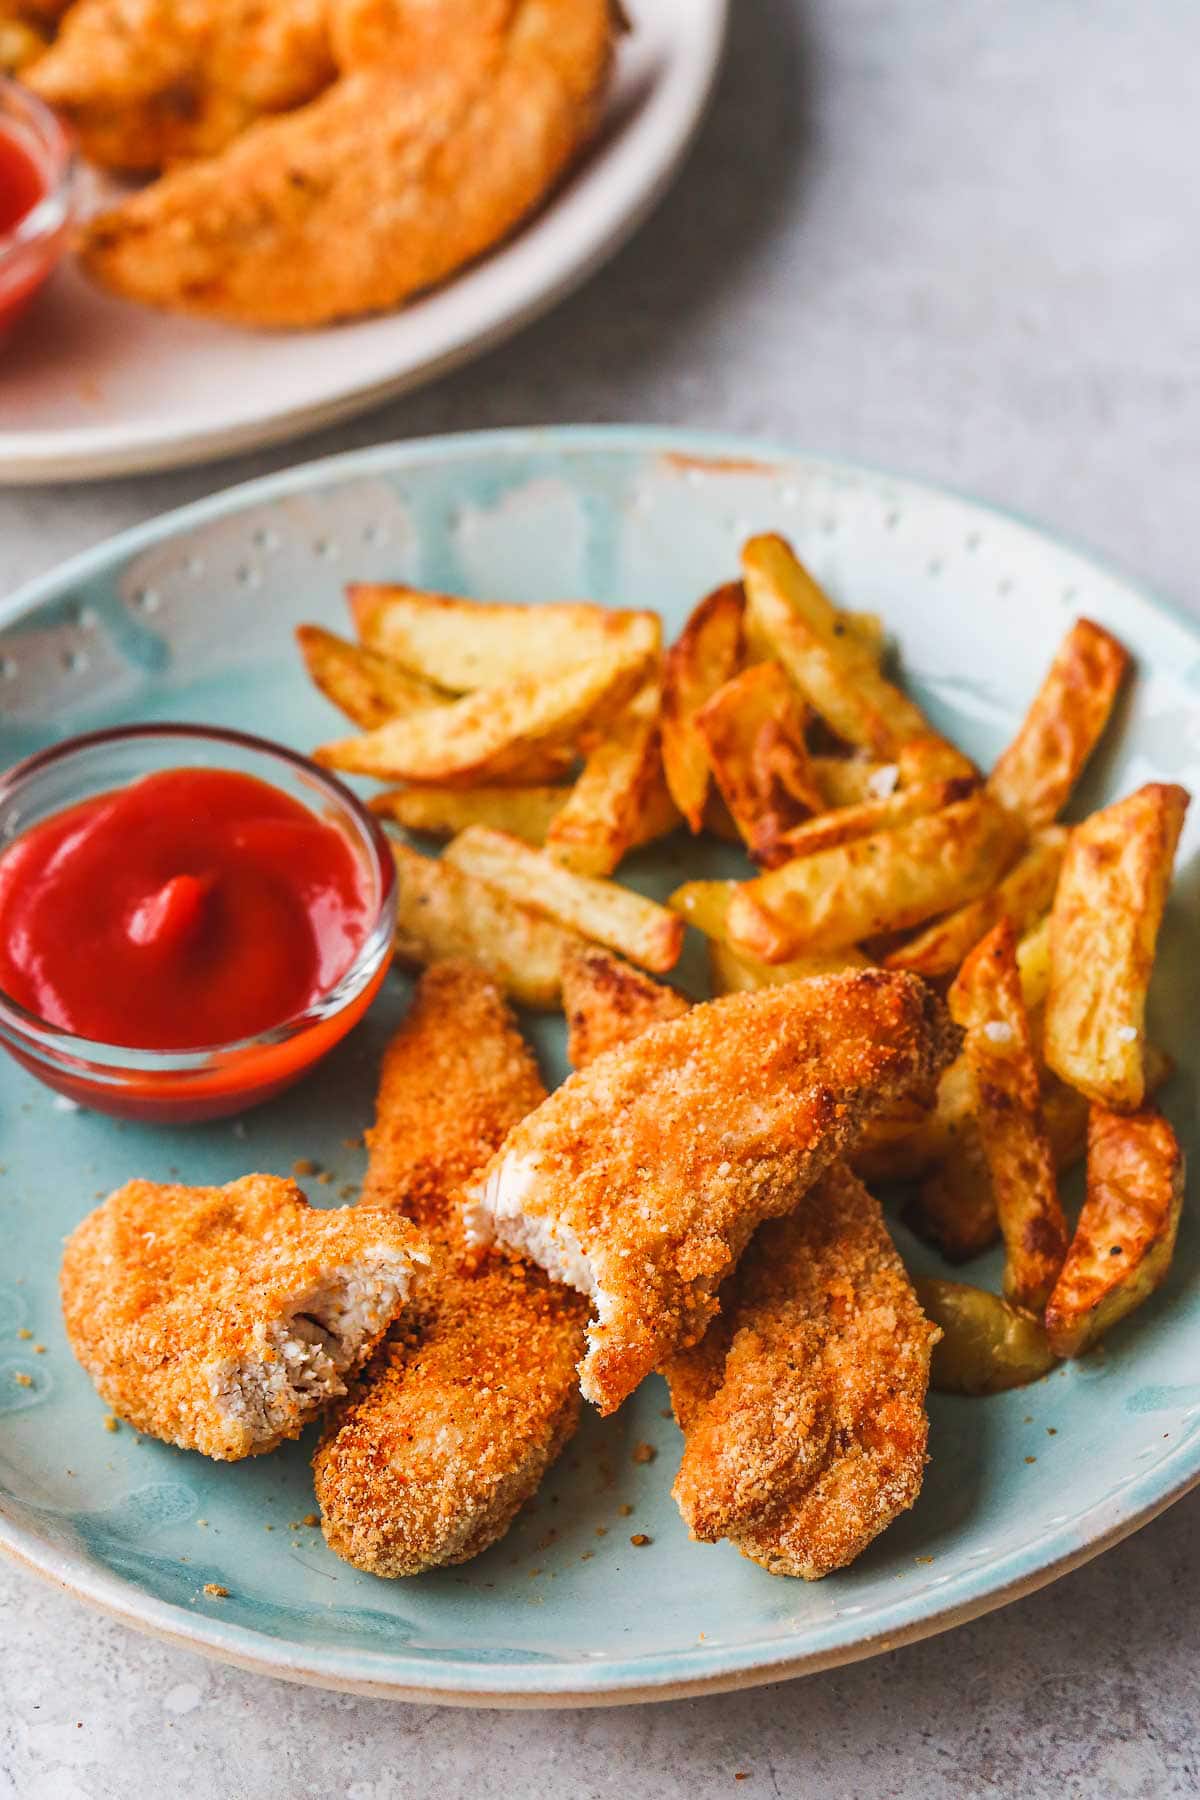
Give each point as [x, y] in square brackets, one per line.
[22, 269]
[190, 909]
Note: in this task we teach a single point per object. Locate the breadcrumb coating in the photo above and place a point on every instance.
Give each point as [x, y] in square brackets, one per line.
[642, 1178]
[804, 1405]
[457, 1419]
[608, 1003]
[223, 1319]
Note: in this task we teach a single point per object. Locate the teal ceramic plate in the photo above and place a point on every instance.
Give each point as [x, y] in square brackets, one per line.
[190, 618]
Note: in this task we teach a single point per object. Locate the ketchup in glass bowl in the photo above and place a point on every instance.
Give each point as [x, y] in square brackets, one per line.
[189, 918]
[39, 188]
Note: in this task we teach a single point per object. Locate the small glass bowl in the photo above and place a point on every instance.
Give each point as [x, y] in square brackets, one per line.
[180, 1086]
[30, 251]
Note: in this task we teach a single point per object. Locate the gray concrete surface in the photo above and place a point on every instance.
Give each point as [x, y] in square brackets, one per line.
[962, 240]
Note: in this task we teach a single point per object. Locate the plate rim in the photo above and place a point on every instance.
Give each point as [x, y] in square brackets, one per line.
[104, 452]
[654, 1675]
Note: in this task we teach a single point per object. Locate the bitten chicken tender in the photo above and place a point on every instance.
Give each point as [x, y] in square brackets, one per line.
[148, 82]
[453, 1426]
[223, 1319]
[804, 1404]
[641, 1179]
[452, 129]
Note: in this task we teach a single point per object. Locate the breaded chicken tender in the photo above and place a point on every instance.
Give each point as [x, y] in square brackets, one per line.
[224, 1319]
[641, 1180]
[145, 83]
[608, 1003]
[803, 1406]
[455, 126]
[453, 1426]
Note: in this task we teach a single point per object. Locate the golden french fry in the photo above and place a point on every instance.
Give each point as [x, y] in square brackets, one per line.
[443, 912]
[703, 657]
[637, 928]
[873, 885]
[704, 904]
[1035, 775]
[734, 974]
[468, 644]
[1023, 896]
[986, 1001]
[868, 629]
[1125, 1238]
[525, 812]
[620, 800]
[608, 1003]
[987, 1345]
[1104, 927]
[846, 823]
[753, 730]
[827, 662]
[853, 780]
[484, 735]
[926, 759]
[367, 687]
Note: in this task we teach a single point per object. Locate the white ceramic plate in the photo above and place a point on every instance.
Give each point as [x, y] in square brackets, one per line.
[94, 386]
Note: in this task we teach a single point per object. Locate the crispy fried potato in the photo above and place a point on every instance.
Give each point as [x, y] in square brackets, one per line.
[846, 823]
[445, 912]
[876, 884]
[1125, 1238]
[525, 812]
[468, 644]
[753, 731]
[486, 734]
[1022, 896]
[827, 662]
[1104, 928]
[703, 658]
[626, 922]
[986, 1001]
[987, 1344]
[367, 687]
[853, 780]
[608, 1002]
[705, 904]
[925, 759]
[147, 82]
[1035, 775]
[621, 798]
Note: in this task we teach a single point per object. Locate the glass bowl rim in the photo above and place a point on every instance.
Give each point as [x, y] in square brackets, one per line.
[43, 222]
[95, 1059]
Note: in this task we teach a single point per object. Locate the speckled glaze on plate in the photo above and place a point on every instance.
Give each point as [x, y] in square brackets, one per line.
[190, 618]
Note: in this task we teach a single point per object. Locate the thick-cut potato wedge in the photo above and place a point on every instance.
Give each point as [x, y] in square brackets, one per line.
[1035, 775]
[853, 780]
[753, 729]
[986, 1001]
[1125, 1238]
[484, 735]
[846, 823]
[444, 912]
[620, 800]
[987, 1344]
[1103, 932]
[525, 812]
[637, 928]
[367, 687]
[705, 904]
[926, 759]
[874, 885]
[830, 665]
[609, 1003]
[1023, 896]
[703, 658]
[468, 644]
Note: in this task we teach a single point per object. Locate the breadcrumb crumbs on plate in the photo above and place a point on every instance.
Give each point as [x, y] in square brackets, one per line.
[216, 1591]
[644, 1453]
[1052, 1431]
[39, 1349]
[111, 1423]
[1031, 1459]
[22, 1380]
[25, 1333]
[602, 1531]
[923, 1560]
[311, 1519]
[324, 1178]
[352, 1143]
[304, 1165]
[587, 1556]
[625, 1510]
[639, 1539]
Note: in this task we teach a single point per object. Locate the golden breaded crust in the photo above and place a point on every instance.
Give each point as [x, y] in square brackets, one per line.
[172, 1297]
[148, 82]
[455, 1423]
[643, 1177]
[404, 170]
[453, 1426]
[456, 1078]
[608, 1003]
[804, 1405]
